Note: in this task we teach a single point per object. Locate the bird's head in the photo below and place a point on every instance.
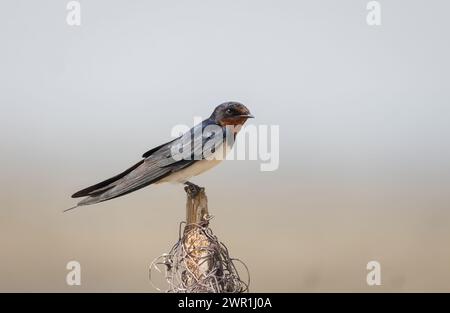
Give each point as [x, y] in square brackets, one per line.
[231, 113]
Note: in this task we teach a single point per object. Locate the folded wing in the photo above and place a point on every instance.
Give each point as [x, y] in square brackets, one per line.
[158, 163]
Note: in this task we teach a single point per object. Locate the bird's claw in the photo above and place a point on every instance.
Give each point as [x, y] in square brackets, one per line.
[192, 189]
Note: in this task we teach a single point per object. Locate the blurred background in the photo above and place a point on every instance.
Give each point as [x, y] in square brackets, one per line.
[364, 123]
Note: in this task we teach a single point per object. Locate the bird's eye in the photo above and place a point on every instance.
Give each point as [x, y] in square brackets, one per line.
[229, 111]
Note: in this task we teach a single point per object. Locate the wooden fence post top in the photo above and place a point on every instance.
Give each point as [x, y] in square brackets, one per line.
[199, 262]
[196, 205]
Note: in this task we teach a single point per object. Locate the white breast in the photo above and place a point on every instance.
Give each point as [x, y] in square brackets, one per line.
[197, 168]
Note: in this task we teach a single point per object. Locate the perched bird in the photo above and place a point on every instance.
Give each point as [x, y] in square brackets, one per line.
[191, 154]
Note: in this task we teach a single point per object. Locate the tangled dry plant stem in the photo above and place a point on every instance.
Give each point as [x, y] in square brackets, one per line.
[193, 268]
[199, 262]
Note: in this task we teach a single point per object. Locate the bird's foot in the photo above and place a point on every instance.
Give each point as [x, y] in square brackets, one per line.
[192, 189]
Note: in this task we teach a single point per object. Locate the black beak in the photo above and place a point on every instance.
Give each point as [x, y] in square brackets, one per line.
[246, 115]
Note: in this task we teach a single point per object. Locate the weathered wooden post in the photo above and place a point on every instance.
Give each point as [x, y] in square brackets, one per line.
[196, 243]
[199, 262]
[196, 206]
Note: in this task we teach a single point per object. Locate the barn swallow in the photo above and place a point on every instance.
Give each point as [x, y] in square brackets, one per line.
[176, 161]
